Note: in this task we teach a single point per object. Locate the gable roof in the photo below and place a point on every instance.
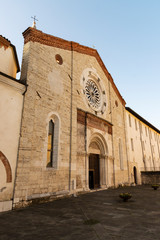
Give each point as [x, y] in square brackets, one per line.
[34, 35]
[6, 43]
[142, 119]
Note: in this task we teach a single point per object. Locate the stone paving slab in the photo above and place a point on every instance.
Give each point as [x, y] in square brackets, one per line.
[65, 219]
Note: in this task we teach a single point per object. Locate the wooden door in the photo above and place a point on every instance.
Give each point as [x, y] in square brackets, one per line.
[94, 175]
[135, 175]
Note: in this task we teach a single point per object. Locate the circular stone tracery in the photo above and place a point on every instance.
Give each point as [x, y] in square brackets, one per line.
[93, 90]
[93, 94]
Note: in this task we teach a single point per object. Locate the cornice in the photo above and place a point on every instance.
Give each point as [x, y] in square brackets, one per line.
[142, 119]
[12, 83]
[34, 35]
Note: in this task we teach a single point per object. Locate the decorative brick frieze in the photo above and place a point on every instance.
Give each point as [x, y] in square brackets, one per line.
[98, 123]
[93, 121]
[110, 130]
[81, 116]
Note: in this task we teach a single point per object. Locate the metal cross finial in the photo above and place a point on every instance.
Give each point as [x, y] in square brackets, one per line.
[34, 22]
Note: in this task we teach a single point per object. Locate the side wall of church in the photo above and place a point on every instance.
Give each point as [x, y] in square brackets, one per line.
[119, 140]
[144, 147]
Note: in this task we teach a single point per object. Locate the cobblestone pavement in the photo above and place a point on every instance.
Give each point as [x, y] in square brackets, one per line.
[108, 217]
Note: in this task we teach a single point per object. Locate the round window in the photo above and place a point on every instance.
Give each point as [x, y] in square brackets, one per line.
[59, 59]
[93, 91]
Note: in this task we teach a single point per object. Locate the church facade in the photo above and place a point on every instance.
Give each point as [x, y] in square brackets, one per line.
[75, 133]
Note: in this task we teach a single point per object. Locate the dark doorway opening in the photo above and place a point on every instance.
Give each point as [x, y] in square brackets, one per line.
[135, 175]
[94, 175]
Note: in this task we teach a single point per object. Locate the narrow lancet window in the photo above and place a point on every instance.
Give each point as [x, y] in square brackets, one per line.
[121, 155]
[50, 144]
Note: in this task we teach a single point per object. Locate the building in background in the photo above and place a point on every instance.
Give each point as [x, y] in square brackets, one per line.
[11, 102]
[75, 132]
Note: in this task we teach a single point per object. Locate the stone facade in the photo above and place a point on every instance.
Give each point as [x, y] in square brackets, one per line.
[57, 89]
[88, 145]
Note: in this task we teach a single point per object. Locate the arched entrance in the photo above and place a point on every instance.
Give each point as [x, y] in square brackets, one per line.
[135, 174]
[97, 162]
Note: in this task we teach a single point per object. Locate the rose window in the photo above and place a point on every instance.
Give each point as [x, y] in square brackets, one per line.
[93, 90]
[93, 94]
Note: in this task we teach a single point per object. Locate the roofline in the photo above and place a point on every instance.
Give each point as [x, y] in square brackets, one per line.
[34, 35]
[142, 119]
[16, 57]
[12, 78]
[6, 43]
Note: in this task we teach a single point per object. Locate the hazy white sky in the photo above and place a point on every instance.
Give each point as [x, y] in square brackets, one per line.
[126, 33]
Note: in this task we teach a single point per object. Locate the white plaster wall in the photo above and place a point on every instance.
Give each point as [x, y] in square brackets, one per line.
[10, 116]
[135, 155]
[8, 63]
[142, 137]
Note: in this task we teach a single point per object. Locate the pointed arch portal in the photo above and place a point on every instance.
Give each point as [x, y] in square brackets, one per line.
[97, 161]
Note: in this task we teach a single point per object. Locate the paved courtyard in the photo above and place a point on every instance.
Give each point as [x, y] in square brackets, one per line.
[92, 216]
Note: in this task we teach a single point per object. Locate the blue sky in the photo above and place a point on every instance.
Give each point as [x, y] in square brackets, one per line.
[126, 33]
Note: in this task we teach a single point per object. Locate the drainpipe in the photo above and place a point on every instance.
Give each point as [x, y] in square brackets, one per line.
[85, 130]
[142, 147]
[151, 148]
[114, 180]
[125, 133]
[71, 105]
[14, 184]
[158, 148]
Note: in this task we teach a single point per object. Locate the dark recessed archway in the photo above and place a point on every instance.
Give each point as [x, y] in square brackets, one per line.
[135, 174]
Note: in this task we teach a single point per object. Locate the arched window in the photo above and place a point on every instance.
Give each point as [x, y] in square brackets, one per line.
[135, 124]
[132, 145]
[121, 155]
[129, 117]
[50, 146]
[52, 142]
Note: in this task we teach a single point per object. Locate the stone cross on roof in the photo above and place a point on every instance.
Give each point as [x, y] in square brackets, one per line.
[34, 22]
